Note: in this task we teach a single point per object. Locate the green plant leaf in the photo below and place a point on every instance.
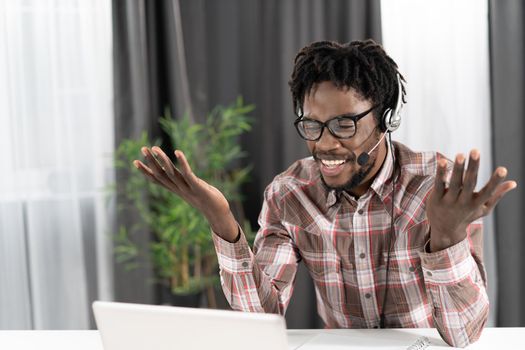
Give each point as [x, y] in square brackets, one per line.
[212, 149]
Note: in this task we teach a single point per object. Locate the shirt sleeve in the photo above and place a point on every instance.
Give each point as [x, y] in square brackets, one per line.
[455, 280]
[260, 280]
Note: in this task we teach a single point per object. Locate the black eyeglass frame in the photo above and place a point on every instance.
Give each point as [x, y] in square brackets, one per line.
[355, 118]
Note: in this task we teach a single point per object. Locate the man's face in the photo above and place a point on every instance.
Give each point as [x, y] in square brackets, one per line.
[325, 102]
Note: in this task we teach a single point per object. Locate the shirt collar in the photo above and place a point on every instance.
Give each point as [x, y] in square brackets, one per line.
[382, 183]
[332, 197]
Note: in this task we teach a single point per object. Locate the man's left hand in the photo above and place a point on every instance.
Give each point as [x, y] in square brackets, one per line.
[451, 209]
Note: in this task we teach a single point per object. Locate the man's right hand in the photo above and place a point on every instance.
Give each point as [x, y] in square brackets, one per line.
[195, 191]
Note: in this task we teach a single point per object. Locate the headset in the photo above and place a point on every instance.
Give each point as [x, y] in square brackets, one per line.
[389, 122]
[391, 119]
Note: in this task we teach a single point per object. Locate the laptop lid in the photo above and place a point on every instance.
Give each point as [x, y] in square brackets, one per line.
[136, 326]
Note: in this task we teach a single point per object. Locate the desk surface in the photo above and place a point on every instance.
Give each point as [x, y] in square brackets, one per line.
[492, 338]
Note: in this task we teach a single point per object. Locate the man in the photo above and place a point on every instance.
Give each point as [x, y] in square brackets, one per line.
[391, 237]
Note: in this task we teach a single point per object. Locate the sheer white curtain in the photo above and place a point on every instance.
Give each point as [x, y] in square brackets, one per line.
[56, 138]
[442, 48]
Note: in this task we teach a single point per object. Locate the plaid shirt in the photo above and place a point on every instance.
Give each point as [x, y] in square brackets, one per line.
[344, 243]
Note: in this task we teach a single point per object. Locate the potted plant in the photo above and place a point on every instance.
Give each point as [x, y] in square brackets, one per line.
[181, 248]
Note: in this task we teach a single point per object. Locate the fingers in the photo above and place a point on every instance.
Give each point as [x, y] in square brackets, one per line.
[441, 178]
[456, 179]
[156, 169]
[498, 194]
[471, 175]
[173, 173]
[187, 173]
[163, 172]
[459, 199]
[152, 162]
[146, 171]
[164, 161]
[488, 190]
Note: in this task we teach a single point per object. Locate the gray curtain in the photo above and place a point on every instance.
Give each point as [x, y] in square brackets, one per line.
[139, 98]
[231, 48]
[507, 41]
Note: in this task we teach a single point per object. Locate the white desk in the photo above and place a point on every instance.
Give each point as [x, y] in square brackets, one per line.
[376, 339]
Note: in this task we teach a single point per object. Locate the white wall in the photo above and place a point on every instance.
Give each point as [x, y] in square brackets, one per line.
[442, 49]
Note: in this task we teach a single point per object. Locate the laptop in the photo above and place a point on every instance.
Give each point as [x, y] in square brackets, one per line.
[136, 326]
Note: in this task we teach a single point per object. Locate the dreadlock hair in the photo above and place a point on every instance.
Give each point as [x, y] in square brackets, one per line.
[362, 65]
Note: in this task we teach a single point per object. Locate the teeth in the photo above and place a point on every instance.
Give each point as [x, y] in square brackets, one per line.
[332, 162]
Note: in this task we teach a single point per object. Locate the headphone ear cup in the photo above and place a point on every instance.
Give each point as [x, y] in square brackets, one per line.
[394, 122]
[390, 121]
[385, 120]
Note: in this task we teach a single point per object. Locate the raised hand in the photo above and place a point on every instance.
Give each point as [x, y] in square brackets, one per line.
[451, 209]
[195, 191]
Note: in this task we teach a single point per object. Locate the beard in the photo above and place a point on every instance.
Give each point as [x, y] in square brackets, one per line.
[356, 179]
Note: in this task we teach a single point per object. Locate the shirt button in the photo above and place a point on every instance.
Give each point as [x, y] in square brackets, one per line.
[360, 211]
[368, 295]
[411, 269]
[245, 264]
[362, 255]
[429, 273]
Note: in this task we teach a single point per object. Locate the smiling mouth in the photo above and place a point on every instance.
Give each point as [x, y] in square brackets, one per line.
[331, 168]
[332, 163]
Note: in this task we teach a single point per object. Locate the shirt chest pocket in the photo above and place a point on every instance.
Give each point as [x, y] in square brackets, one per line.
[327, 276]
[405, 281]
[324, 264]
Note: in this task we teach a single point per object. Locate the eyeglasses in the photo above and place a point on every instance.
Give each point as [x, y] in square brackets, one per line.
[343, 127]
